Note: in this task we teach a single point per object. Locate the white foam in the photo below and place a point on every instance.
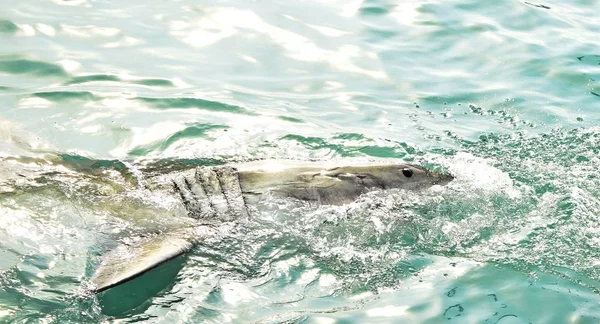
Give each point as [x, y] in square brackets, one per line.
[234, 293]
[387, 311]
[477, 174]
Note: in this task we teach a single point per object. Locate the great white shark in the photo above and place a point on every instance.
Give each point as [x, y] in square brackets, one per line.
[222, 193]
[209, 194]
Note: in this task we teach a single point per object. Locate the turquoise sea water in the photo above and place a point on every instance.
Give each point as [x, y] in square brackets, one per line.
[502, 94]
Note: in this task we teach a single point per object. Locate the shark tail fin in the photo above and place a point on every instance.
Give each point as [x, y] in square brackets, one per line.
[128, 262]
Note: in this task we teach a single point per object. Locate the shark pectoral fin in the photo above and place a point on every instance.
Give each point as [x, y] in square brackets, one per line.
[128, 262]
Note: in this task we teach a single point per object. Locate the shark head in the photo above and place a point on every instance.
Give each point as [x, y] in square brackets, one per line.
[415, 177]
[388, 176]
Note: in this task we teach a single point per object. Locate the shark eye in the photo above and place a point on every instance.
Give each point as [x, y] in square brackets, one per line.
[407, 172]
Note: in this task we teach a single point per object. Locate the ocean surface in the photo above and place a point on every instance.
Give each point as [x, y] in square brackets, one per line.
[505, 95]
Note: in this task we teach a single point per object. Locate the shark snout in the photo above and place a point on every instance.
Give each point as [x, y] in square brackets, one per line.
[441, 178]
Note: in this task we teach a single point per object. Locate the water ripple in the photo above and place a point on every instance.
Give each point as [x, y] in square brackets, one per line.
[501, 94]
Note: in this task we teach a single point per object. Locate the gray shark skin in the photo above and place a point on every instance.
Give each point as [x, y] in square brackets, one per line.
[334, 184]
[222, 191]
[221, 194]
